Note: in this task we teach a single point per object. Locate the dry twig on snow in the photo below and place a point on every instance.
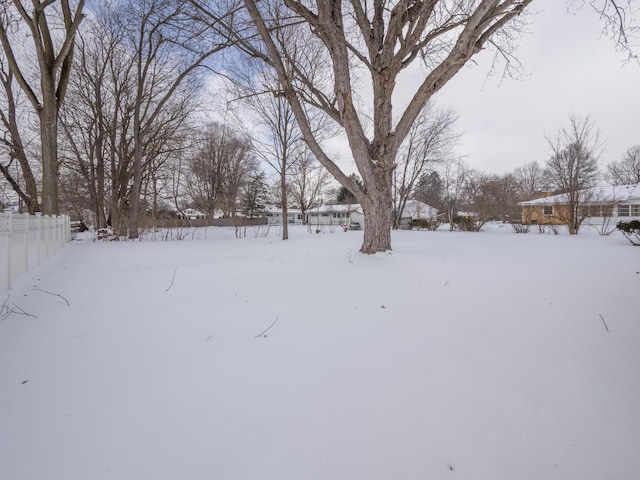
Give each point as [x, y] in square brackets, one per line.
[54, 294]
[261, 334]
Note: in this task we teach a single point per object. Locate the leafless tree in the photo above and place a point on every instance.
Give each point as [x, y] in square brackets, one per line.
[169, 44]
[379, 40]
[16, 169]
[371, 43]
[573, 166]
[108, 95]
[89, 122]
[52, 27]
[530, 178]
[274, 133]
[430, 141]
[491, 197]
[454, 175]
[308, 183]
[627, 170]
[219, 170]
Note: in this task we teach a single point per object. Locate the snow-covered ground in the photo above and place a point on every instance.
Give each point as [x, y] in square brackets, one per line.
[480, 356]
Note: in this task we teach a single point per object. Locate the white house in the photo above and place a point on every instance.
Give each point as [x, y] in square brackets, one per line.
[343, 215]
[274, 214]
[414, 210]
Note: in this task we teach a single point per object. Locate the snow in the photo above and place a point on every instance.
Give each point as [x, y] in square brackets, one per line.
[479, 356]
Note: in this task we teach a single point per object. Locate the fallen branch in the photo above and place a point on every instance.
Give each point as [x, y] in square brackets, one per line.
[265, 331]
[172, 279]
[605, 323]
[54, 294]
[6, 310]
[17, 309]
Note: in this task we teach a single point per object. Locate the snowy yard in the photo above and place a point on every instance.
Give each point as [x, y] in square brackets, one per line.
[480, 356]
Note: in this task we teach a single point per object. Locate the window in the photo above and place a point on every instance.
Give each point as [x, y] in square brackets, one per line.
[624, 210]
[635, 210]
[547, 211]
[606, 210]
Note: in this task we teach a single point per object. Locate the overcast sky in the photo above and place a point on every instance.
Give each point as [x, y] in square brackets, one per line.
[570, 67]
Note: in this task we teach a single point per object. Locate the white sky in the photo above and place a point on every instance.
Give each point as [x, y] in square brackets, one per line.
[570, 67]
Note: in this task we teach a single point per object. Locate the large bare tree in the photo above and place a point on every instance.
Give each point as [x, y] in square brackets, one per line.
[626, 171]
[573, 166]
[52, 27]
[219, 169]
[367, 45]
[529, 177]
[379, 40]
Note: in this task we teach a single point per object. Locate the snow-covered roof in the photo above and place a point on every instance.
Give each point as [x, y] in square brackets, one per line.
[277, 210]
[605, 193]
[417, 209]
[353, 207]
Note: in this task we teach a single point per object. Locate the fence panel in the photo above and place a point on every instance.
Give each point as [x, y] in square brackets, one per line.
[26, 241]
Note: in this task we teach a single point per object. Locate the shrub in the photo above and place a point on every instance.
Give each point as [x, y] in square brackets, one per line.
[467, 224]
[520, 227]
[631, 230]
[423, 224]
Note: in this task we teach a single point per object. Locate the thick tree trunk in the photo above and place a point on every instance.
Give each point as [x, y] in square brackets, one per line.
[377, 205]
[49, 149]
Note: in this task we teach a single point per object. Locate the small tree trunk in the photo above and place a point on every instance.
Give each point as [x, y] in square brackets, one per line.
[134, 199]
[285, 213]
[136, 187]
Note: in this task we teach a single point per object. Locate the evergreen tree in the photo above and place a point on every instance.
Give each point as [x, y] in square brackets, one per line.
[344, 196]
[255, 195]
[429, 190]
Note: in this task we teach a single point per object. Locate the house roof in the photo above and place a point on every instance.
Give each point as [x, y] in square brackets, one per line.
[417, 209]
[353, 207]
[277, 210]
[605, 193]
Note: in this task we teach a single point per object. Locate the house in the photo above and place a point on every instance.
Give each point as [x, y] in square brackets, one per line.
[598, 204]
[414, 210]
[191, 214]
[274, 215]
[344, 215]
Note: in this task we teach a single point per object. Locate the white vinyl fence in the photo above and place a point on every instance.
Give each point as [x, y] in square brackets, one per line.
[26, 241]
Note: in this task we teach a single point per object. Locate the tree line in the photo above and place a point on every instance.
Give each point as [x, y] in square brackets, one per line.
[103, 100]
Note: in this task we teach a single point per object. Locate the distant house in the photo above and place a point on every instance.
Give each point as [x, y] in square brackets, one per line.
[617, 202]
[414, 210]
[191, 214]
[274, 215]
[344, 215]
